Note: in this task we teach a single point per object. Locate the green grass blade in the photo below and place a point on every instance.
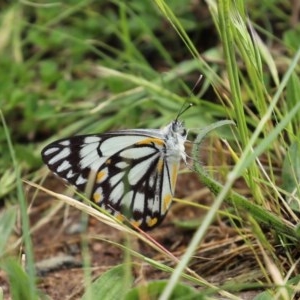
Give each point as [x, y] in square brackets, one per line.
[109, 286]
[7, 223]
[20, 282]
[24, 216]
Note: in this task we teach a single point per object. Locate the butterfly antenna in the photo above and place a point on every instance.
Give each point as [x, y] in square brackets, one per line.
[185, 108]
[196, 84]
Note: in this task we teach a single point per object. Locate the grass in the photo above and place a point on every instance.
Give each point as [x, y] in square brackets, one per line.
[87, 67]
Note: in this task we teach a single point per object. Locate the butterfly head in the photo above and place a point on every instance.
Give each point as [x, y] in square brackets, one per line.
[177, 128]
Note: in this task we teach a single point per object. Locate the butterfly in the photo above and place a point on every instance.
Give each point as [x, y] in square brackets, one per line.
[130, 173]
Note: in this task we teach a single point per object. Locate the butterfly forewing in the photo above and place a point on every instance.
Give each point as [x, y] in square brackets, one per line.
[131, 173]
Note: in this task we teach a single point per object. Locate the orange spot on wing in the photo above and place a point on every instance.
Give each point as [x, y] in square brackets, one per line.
[166, 202]
[148, 141]
[136, 223]
[160, 165]
[174, 173]
[97, 197]
[101, 176]
[120, 217]
[151, 222]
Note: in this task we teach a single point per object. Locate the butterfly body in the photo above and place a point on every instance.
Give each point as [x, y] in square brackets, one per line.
[129, 173]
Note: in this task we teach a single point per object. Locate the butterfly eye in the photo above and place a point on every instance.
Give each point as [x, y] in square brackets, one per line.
[177, 127]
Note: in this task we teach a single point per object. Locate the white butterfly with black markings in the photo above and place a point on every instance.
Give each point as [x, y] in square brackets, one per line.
[132, 173]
